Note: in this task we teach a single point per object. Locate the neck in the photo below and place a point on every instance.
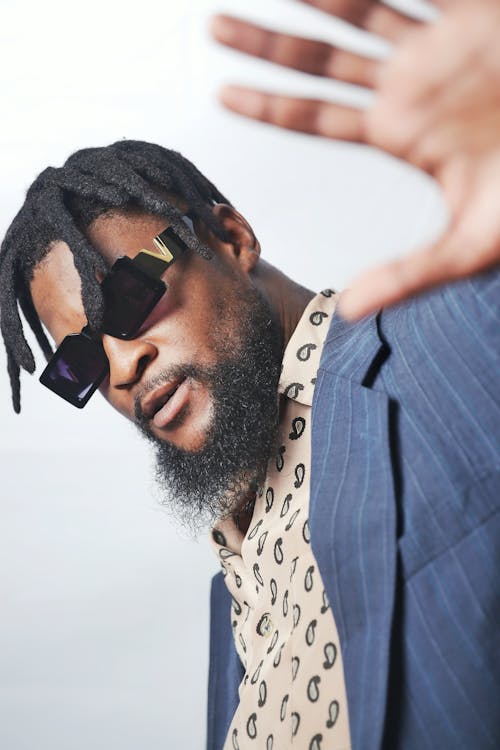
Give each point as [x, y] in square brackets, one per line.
[287, 298]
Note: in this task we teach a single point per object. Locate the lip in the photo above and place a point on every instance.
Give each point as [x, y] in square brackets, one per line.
[158, 399]
[170, 410]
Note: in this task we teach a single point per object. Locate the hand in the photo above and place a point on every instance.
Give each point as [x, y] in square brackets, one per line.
[436, 105]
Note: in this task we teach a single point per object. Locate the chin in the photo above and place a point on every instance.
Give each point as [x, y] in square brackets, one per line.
[189, 431]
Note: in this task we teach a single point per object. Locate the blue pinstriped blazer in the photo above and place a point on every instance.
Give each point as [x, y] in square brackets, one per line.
[405, 523]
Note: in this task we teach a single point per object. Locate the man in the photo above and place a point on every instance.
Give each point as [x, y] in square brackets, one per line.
[198, 370]
[364, 605]
[397, 550]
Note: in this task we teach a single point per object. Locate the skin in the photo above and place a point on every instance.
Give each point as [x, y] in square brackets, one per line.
[436, 105]
[181, 328]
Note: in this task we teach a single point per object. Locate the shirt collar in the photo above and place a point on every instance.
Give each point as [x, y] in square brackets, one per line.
[303, 352]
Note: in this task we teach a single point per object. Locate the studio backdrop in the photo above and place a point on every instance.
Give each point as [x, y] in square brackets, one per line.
[104, 602]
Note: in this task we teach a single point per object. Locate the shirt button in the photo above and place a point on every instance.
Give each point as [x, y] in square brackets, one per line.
[265, 625]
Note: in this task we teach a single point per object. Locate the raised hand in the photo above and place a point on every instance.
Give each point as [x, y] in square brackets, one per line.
[436, 105]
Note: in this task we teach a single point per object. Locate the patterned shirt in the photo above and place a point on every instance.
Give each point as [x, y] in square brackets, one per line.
[293, 691]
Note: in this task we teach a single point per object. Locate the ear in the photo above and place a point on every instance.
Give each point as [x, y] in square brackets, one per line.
[241, 243]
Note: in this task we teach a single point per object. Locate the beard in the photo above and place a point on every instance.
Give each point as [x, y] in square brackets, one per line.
[217, 480]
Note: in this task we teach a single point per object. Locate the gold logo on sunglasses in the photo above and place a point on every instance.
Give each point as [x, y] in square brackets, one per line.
[163, 249]
[165, 257]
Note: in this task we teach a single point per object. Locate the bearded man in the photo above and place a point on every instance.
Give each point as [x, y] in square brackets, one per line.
[349, 471]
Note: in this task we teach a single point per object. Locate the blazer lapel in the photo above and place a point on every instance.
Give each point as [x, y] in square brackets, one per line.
[352, 516]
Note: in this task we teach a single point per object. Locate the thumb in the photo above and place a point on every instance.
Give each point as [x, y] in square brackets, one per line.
[445, 260]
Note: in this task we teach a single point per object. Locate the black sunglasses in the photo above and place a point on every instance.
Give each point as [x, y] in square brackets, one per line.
[131, 290]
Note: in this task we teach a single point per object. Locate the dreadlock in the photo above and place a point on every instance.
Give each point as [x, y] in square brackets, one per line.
[63, 202]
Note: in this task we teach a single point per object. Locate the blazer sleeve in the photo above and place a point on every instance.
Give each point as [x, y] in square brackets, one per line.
[225, 670]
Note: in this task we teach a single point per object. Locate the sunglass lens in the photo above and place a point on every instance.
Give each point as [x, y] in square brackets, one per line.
[76, 369]
[130, 295]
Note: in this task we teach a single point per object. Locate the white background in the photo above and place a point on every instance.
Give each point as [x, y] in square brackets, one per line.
[104, 603]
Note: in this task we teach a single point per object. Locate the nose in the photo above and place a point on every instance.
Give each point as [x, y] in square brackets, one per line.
[127, 359]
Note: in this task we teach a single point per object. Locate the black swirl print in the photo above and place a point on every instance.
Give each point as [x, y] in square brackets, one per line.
[252, 726]
[292, 694]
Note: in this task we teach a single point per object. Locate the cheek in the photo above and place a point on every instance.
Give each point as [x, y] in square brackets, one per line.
[120, 401]
[192, 316]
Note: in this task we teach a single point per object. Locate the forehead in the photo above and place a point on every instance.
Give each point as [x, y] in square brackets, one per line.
[124, 234]
[56, 284]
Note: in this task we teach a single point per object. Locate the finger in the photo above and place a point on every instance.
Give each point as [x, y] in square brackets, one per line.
[449, 259]
[369, 15]
[305, 115]
[308, 55]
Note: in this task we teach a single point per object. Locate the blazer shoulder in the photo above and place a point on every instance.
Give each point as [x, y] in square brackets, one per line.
[464, 316]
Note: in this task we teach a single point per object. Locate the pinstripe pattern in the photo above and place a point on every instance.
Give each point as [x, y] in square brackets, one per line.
[354, 505]
[405, 523]
[226, 670]
[418, 611]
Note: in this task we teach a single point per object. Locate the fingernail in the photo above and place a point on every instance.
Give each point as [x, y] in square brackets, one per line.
[222, 29]
[241, 100]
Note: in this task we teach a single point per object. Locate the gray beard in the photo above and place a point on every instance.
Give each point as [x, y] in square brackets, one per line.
[215, 481]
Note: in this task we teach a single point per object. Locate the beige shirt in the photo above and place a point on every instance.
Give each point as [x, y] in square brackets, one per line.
[293, 691]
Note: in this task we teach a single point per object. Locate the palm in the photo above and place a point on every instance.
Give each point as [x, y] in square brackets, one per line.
[436, 105]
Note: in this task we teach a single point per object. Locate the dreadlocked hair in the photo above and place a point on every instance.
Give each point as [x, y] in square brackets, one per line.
[63, 202]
